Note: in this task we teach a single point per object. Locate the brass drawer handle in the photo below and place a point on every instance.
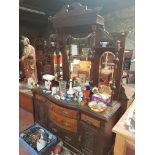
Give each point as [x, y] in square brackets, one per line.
[67, 139]
[65, 113]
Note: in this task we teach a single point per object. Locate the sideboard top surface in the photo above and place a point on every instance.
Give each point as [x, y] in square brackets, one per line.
[105, 115]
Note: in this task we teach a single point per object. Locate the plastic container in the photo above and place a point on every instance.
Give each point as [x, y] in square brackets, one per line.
[30, 149]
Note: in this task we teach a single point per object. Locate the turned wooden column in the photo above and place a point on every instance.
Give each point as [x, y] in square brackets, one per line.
[119, 69]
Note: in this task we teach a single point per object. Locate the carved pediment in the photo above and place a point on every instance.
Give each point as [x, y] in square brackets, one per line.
[75, 8]
[76, 14]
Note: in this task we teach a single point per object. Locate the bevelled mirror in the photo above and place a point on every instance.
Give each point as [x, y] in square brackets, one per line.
[79, 53]
[106, 68]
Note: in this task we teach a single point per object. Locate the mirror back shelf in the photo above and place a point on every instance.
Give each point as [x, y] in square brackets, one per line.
[78, 22]
[117, 48]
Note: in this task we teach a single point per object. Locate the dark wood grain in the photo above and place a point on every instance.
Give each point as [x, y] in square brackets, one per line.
[64, 111]
[90, 120]
[105, 115]
[63, 122]
[88, 131]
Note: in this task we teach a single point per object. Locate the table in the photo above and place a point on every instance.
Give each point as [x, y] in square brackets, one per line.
[25, 97]
[125, 140]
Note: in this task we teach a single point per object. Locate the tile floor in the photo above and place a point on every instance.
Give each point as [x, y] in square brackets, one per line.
[25, 121]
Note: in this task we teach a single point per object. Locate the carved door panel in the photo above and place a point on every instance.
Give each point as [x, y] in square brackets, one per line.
[89, 139]
[41, 113]
[67, 136]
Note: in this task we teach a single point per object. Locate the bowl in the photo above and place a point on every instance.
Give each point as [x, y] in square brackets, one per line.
[97, 106]
[48, 77]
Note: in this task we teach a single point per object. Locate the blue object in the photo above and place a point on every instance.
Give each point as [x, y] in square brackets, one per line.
[79, 96]
[30, 149]
[67, 99]
[87, 87]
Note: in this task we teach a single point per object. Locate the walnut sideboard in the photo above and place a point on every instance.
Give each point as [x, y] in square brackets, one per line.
[79, 127]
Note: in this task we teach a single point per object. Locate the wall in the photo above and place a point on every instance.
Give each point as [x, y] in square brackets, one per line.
[121, 21]
[32, 30]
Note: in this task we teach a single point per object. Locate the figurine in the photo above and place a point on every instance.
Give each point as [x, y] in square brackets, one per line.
[79, 94]
[28, 60]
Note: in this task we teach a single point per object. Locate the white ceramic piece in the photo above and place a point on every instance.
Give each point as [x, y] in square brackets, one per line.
[48, 77]
[41, 144]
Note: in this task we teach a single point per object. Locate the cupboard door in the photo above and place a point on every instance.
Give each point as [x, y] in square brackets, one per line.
[69, 137]
[88, 139]
[41, 114]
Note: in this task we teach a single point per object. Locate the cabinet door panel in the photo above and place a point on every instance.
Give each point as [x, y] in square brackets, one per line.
[89, 139]
[68, 137]
[41, 113]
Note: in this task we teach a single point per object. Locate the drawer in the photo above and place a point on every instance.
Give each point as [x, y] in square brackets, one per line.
[64, 111]
[66, 136]
[90, 120]
[63, 122]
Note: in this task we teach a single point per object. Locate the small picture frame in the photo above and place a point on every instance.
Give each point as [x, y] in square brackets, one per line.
[74, 49]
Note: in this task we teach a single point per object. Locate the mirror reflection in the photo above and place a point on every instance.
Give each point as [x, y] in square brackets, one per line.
[80, 63]
[79, 56]
[107, 67]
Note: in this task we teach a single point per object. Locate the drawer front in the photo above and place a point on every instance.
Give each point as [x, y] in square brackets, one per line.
[90, 120]
[64, 111]
[68, 137]
[63, 122]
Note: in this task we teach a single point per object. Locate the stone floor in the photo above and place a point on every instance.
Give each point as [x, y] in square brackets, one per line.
[25, 121]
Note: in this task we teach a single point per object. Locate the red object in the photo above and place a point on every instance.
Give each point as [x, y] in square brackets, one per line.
[55, 59]
[57, 149]
[86, 94]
